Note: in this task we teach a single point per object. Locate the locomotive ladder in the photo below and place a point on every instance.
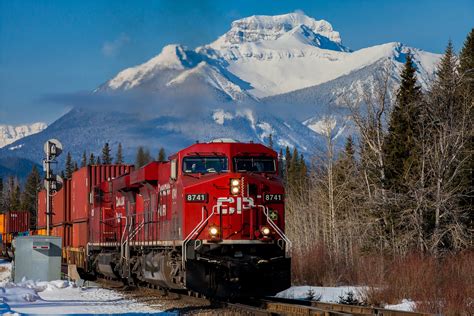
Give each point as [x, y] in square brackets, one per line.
[125, 243]
[278, 230]
[195, 231]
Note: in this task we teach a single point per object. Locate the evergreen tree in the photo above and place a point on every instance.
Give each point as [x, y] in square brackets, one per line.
[84, 159]
[76, 167]
[15, 201]
[99, 162]
[92, 159]
[400, 143]
[29, 195]
[287, 162]
[270, 141]
[119, 157]
[349, 150]
[466, 71]
[69, 166]
[106, 157]
[294, 170]
[466, 64]
[142, 157]
[161, 155]
[281, 164]
[2, 201]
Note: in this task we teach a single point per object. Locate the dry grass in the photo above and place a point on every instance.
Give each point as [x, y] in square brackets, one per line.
[437, 285]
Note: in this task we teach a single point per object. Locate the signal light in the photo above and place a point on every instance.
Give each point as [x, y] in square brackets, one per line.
[234, 186]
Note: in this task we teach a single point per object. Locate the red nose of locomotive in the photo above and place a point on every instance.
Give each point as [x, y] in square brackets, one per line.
[238, 206]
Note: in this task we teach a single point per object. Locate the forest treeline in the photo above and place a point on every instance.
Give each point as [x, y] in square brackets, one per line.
[403, 185]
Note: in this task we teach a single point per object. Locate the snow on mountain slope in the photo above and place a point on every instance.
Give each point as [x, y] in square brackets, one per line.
[262, 56]
[287, 75]
[10, 134]
[213, 76]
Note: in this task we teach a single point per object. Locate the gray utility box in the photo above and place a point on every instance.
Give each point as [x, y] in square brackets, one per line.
[37, 258]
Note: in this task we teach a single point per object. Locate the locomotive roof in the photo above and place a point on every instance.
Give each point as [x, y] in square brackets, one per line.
[228, 148]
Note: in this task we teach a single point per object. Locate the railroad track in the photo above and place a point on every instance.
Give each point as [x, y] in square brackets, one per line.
[189, 304]
[281, 306]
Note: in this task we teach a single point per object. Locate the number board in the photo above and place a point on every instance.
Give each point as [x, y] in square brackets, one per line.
[273, 198]
[196, 197]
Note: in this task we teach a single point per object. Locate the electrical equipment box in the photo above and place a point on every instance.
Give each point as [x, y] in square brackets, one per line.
[37, 258]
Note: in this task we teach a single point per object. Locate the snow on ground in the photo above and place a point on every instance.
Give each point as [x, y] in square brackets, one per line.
[333, 295]
[328, 294]
[63, 297]
[405, 305]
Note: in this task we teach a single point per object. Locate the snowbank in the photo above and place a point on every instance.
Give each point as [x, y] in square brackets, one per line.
[328, 294]
[333, 295]
[62, 297]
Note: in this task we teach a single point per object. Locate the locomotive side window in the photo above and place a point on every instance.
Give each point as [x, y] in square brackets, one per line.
[254, 164]
[201, 164]
[174, 169]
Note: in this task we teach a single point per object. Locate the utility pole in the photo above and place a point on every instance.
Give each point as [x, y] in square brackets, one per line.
[52, 183]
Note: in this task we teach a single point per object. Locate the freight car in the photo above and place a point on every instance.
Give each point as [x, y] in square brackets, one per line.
[12, 224]
[209, 220]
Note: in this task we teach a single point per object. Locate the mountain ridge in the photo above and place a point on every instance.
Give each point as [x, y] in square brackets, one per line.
[266, 75]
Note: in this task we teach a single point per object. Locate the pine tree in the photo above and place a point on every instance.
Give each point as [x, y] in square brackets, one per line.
[2, 201]
[15, 198]
[466, 63]
[92, 160]
[69, 166]
[119, 157]
[287, 162]
[466, 71]
[76, 167]
[161, 155]
[400, 143]
[99, 162]
[270, 141]
[84, 159]
[281, 164]
[294, 170]
[142, 157]
[449, 127]
[106, 157]
[29, 195]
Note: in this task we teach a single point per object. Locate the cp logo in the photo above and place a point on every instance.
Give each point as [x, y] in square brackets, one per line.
[231, 205]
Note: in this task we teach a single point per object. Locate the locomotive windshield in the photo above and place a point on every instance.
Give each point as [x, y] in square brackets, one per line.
[201, 164]
[254, 164]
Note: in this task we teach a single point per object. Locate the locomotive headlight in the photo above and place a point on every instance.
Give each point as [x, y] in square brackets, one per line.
[234, 186]
[213, 231]
[265, 231]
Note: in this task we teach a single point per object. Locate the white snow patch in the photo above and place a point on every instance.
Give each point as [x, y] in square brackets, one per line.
[61, 297]
[324, 126]
[328, 294]
[219, 116]
[405, 305]
[16, 147]
[266, 129]
[11, 133]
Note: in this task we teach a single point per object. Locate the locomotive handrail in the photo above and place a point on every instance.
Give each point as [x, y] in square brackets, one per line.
[276, 228]
[135, 232]
[194, 231]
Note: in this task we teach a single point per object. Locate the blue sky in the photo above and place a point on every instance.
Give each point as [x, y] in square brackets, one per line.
[57, 47]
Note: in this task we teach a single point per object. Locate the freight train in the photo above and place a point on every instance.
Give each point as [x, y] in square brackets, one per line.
[209, 220]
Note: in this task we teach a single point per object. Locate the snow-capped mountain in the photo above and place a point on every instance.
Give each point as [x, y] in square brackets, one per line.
[10, 133]
[285, 75]
[262, 56]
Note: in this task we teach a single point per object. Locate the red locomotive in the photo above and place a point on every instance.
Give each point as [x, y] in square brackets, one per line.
[210, 220]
